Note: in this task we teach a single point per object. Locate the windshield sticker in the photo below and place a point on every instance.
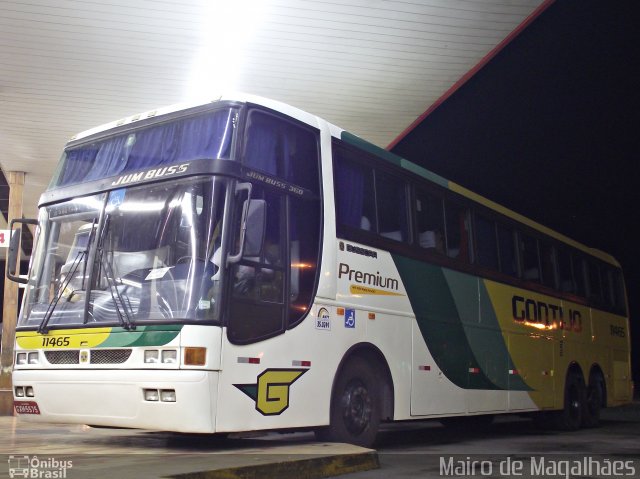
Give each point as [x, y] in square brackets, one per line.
[116, 198]
[323, 321]
[157, 273]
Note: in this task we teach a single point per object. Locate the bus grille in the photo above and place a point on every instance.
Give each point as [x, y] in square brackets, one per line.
[110, 356]
[98, 356]
[63, 357]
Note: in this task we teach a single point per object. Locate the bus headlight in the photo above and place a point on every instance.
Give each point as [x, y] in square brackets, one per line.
[19, 391]
[21, 358]
[168, 395]
[151, 395]
[32, 358]
[151, 356]
[170, 356]
[28, 391]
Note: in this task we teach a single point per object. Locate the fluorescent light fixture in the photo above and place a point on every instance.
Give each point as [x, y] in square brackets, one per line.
[227, 27]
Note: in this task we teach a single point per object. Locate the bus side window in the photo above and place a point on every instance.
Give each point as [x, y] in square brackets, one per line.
[618, 292]
[566, 282]
[458, 232]
[548, 264]
[355, 205]
[530, 262]
[606, 274]
[391, 196]
[579, 275]
[486, 242]
[508, 258]
[594, 286]
[429, 221]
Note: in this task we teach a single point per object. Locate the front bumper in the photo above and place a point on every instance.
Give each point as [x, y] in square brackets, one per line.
[116, 398]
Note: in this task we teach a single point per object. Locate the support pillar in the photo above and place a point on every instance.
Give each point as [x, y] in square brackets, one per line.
[15, 179]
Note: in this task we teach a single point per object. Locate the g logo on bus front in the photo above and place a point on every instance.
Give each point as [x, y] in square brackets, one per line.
[271, 392]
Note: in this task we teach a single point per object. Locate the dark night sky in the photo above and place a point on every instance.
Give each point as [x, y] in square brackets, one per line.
[549, 129]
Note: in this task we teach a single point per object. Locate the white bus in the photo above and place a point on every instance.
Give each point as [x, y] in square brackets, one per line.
[243, 265]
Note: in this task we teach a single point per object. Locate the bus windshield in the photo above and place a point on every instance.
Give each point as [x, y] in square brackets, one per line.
[137, 254]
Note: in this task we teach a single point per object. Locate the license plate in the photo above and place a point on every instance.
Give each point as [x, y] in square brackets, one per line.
[26, 407]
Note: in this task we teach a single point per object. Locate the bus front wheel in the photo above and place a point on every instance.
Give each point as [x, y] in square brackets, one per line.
[355, 406]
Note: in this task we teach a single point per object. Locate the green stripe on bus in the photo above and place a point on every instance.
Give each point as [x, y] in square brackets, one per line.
[157, 335]
[370, 148]
[440, 324]
[482, 329]
[395, 159]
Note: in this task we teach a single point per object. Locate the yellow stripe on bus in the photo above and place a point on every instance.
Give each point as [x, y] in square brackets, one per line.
[63, 338]
[355, 289]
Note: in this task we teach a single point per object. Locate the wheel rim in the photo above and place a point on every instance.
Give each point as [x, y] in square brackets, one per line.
[356, 407]
[575, 407]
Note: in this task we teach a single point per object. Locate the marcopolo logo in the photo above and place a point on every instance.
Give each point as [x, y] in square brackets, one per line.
[35, 467]
[271, 392]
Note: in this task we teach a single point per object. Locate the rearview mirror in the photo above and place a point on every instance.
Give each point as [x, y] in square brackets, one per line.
[256, 221]
[14, 248]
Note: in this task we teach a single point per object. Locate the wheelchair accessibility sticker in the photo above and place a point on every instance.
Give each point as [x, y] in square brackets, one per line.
[349, 318]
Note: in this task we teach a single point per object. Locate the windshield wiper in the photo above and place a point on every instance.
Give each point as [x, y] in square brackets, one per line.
[84, 254]
[116, 295]
[42, 329]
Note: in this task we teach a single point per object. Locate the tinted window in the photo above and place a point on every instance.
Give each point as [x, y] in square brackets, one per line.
[548, 263]
[281, 148]
[579, 274]
[594, 284]
[486, 242]
[566, 282]
[508, 258]
[458, 229]
[392, 207]
[429, 221]
[305, 235]
[355, 197]
[257, 282]
[618, 291]
[529, 255]
[607, 286]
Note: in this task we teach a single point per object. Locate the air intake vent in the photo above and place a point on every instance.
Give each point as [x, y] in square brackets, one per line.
[63, 356]
[109, 356]
[98, 356]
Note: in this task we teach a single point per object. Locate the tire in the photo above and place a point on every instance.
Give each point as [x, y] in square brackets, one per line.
[355, 406]
[593, 403]
[575, 398]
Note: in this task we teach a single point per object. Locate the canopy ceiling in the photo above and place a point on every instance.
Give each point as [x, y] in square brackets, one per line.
[369, 66]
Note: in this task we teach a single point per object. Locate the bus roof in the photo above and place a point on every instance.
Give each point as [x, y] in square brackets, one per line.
[236, 97]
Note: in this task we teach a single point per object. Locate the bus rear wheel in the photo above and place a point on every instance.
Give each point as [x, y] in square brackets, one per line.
[594, 401]
[575, 397]
[355, 406]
